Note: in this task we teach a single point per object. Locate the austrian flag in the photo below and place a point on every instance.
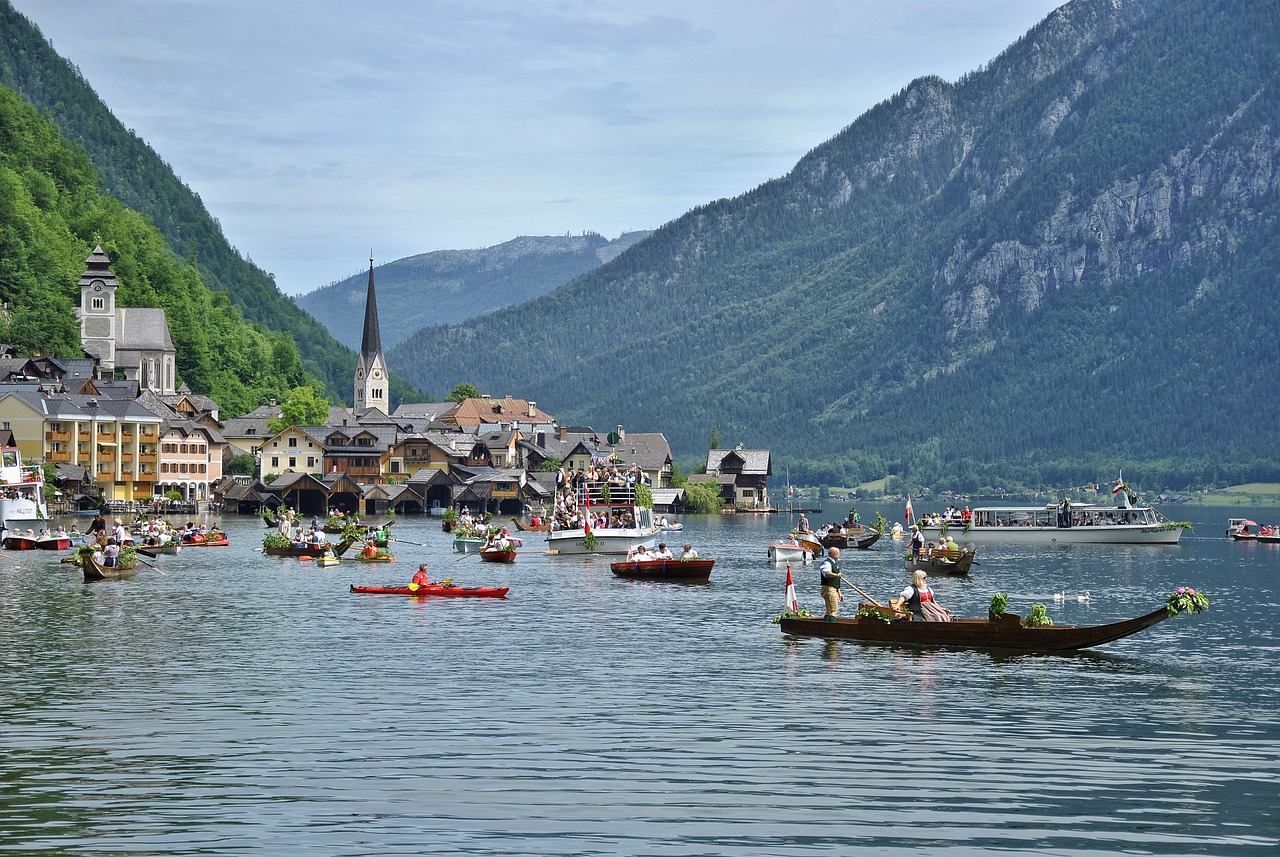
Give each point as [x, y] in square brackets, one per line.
[793, 606]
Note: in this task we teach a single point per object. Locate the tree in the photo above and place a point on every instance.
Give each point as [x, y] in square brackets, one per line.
[243, 464]
[302, 407]
[701, 497]
[714, 441]
[462, 392]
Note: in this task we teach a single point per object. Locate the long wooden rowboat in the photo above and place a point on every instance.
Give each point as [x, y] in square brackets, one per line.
[684, 570]
[947, 562]
[94, 570]
[308, 550]
[440, 590]
[1005, 632]
[530, 528]
[497, 554]
[862, 539]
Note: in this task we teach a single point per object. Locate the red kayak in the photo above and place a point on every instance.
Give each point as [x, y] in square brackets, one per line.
[440, 589]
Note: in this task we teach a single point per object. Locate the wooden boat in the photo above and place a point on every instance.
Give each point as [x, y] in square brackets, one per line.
[782, 552]
[942, 562]
[94, 570]
[308, 550]
[440, 590]
[683, 570]
[20, 543]
[362, 558]
[1005, 632]
[172, 548]
[530, 528]
[861, 538]
[507, 554]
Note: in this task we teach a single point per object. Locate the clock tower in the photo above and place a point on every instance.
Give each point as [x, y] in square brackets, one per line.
[98, 317]
[371, 366]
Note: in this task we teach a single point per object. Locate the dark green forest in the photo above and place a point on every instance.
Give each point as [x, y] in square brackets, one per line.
[131, 172]
[52, 213]
[1061, 265]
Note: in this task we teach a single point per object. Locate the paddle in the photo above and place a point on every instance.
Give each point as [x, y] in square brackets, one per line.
[406, 541]
[146, 553]
[149, 565]
[466, 556]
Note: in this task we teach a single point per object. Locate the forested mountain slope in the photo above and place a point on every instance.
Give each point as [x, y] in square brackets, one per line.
[453, 285]
[1062, 264]
[134, 174]
[52, 213]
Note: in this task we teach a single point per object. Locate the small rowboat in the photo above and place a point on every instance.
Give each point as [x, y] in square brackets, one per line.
[942, 562]
[94, 570]
[861, 538]
[683, 570]
[467, 544]
[54, 543]
[308, 550]
[497, 554]
[362, 558]
[1004, 632]
[218, 540]
[327, 561]
[20, 543]
[530, 528]
[783, 552]
[441, 590]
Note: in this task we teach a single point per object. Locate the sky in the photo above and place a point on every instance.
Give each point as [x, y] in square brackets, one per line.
[318, 131]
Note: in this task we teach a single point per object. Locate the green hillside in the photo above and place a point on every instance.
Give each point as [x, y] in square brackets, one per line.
[52, 213]
[1062, 264]
[134, 174]
[454, 285]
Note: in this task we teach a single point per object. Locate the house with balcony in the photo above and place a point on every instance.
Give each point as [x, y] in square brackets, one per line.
[190, 461]
[361, 452]
[742, 474]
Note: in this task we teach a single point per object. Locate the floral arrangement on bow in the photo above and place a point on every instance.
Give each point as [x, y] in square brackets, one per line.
[1186, 600]
[793, 614]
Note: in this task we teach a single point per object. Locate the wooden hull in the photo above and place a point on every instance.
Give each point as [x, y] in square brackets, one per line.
[683, 570]
[207, 543]
[437, 590]
[860, 539]
[309, 550]
[529, 528]
[1003, 633]
[497, 555]
[94, 570]
[362, 558]
[952, 563]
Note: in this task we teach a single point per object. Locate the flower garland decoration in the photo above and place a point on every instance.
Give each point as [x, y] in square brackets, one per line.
[793, 614]
[1186, 600]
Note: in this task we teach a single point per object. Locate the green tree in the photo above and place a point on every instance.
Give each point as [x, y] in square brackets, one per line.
[701, 498]
[302, 407]
[243, 464]
[714, 441]
[462, 392]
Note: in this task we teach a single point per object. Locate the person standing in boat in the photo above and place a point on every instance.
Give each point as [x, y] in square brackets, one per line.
[917, 543]
[830, 578]
[803, 525]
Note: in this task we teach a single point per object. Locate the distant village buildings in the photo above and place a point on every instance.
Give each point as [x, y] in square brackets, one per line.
[120, 428]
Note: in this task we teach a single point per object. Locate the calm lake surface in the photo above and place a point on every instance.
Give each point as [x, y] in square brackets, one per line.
[239, 703]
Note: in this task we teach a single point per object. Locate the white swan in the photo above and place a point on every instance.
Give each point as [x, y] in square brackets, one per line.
[1059, 596]
[1083, 599]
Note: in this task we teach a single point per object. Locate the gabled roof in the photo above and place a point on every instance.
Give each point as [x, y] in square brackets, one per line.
[342, 482]
[421, 410]
[471, 413]
[292, 480]
[428, 476]
[142, 329]
[312, 432]
[755, 462]
[651, 450]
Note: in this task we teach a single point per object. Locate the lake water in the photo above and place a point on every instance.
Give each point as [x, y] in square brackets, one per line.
[239, 703]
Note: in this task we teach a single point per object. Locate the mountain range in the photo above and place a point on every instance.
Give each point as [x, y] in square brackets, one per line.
[1060, 265]
[454, 285]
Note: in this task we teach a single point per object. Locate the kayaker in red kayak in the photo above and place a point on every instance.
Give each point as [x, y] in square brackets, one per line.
[420, 576]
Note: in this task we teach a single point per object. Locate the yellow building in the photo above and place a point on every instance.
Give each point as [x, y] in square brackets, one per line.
[116, 441]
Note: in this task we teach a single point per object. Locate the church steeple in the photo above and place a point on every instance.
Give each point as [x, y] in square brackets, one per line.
[371, 366]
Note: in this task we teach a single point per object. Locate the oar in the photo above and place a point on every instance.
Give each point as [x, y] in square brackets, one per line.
[466, 555]
[860, 592]
[149, 565]
[145, 553]
[406, 541]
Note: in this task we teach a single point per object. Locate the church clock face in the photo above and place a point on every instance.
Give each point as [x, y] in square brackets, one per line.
[97, 287]
[377, 373]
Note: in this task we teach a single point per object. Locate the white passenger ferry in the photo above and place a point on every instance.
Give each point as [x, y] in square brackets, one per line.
[21, 490]
[1087, 523]
[630, 524]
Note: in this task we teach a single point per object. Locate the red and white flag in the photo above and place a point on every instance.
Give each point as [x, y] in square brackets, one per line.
[793, 606]
[909, 512]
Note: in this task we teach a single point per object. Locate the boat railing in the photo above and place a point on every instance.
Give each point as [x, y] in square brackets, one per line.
[606, 494]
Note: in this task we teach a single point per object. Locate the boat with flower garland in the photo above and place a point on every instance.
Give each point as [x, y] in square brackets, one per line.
[878, 624]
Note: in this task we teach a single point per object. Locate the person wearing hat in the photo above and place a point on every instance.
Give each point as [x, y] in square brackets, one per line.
[829, 575]
[917, 542]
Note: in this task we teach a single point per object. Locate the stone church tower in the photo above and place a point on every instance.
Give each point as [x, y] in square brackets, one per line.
[371, 366]
[130, 342]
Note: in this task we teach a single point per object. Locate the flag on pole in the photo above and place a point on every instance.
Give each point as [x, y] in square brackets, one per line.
[793, 606]
[1119, 486]
[586, 508]
[909, 512]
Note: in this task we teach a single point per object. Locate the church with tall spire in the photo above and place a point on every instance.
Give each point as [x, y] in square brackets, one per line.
[371, 366]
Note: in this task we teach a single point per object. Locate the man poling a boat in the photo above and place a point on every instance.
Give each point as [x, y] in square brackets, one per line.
[830, 577]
